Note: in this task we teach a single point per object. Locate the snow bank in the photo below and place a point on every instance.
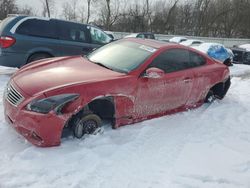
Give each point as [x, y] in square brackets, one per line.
[239, 70]
[7, 70]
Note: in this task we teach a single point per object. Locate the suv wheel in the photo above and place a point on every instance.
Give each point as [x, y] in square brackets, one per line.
[38, 56]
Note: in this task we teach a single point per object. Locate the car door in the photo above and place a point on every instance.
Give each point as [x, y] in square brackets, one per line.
[201, 82]
[74, 39]
[169, 92]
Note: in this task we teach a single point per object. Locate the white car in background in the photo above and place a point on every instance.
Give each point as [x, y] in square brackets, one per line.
[143, 35]
[241, 54]
[178, 39]
[245, 46]
[192, 42]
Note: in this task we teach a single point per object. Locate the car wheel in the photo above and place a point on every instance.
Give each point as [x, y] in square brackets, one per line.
[88, 124]
[210, 97]
[38, 56]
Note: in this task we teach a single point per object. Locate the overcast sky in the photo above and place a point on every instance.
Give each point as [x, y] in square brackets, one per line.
[36, 5]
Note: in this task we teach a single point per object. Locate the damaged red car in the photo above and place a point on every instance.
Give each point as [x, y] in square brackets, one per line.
[124, 82]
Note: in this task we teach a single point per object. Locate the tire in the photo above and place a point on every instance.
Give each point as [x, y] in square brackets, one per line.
[88, 124]
[38, 56]
[210, 97]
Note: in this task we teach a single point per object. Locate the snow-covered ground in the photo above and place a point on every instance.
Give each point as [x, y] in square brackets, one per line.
[205, 148]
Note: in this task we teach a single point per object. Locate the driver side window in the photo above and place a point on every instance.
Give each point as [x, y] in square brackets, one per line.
[172, 60]
[177, 59]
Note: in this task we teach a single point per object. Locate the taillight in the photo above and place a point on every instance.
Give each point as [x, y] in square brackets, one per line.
[6, 42]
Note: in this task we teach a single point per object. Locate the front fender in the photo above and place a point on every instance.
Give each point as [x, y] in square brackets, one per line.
[124, 110]
[123, 106]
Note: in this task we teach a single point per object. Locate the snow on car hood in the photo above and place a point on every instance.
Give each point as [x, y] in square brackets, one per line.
[58, 72]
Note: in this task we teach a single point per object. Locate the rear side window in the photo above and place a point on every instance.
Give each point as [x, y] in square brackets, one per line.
[177, 59]
[196, 60]
[73, 32]
[38, 28]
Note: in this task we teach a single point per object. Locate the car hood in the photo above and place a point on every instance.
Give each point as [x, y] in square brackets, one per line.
[44, 75]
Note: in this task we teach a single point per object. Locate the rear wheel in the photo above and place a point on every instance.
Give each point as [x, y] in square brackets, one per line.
[210, 97]
[38, 56]
[88, 124]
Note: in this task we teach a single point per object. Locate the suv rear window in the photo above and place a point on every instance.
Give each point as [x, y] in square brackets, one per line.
[38, 28]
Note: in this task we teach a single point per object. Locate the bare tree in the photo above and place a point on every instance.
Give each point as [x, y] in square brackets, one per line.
[89, 3]
[7, 7]
[70, 10]
[81, 14]
[110, 12]
[26, 10]
[88, 10]
[148, 13]
[108, 15]
[216, 18]
[48, 6]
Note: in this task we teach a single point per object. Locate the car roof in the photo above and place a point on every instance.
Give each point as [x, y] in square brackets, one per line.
[152, 43]
[45, 18]
[131, 35]
[135, 34]
[192, 40]
[240, 49]
[20, 19]
[245, 46]
[177, 39]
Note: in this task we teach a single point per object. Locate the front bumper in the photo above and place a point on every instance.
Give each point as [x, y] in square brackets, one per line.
[42, 130]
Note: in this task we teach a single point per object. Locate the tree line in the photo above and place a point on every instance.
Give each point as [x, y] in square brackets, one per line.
[209, 18]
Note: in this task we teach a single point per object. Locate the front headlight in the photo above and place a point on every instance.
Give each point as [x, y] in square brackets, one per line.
[55, 103]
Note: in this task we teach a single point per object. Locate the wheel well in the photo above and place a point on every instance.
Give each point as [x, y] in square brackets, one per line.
[219, 90]
[40, 52]
[103, 107]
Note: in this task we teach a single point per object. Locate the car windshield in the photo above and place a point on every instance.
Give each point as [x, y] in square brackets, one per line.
[122, 56]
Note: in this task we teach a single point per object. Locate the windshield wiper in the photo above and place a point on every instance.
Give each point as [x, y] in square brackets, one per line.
[113, 69]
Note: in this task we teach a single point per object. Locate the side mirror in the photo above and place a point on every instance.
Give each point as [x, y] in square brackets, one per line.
[154, 73]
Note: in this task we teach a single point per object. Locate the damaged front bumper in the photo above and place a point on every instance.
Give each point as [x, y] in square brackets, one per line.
[42, 130]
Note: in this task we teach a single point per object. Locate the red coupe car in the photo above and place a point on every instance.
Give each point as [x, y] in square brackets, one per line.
[127, 81]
